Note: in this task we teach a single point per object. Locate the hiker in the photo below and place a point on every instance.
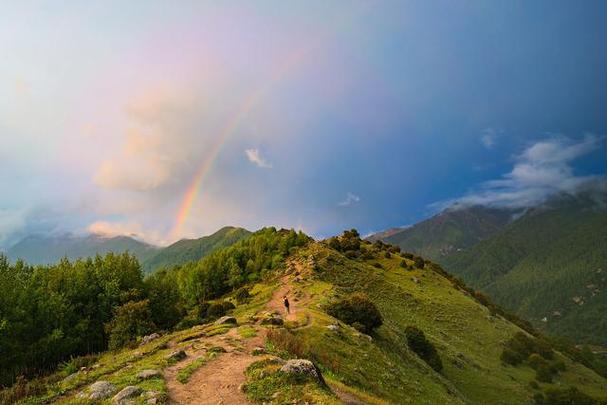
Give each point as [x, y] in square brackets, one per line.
[286, 302]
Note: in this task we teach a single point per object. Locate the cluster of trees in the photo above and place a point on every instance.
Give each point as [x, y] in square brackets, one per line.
[51, 313]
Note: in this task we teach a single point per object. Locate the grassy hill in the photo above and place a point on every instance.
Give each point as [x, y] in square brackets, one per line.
[380, 366]
[452, 230]
[37, 249]
[191, 250]
[550, 266]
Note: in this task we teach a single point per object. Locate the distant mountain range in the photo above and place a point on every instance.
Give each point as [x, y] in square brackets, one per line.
[38, 249]
[548, 263]
[448, 232]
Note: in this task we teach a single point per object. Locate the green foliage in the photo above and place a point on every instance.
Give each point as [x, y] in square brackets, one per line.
[416, 339]
[357, 309]
[521, 347]
[242, 295]
[131, 320]
[349, 243]
[564, 396]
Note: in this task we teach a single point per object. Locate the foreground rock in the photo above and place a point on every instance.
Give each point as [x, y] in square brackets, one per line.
[147, 374]
[272, 318]
[303, 367]
[126, 393]
[98, 391]
[226, 320]
[177, 356]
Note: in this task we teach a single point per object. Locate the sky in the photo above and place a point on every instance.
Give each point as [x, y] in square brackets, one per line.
[167, 120]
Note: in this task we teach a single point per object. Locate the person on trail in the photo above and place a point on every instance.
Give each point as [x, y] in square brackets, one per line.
[286, 302]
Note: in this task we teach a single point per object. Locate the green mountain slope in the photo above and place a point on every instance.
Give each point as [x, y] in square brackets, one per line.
[50, 249]
[450, 231]
[240, 359]
[550, 266]
[191, 250]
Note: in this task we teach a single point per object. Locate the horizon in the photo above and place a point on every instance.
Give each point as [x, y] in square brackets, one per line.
[171, 122]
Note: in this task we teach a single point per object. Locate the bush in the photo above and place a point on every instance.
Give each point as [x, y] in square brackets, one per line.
[520, 347]
[378, 265]
[242, 295]
[511, 357]
[543, 373]
[403, 264]
[131, 320]
[536, 361]
[219, 309]
[387, 255]
[566, 396]
[416, 339]
[419, 262]
[356, 308]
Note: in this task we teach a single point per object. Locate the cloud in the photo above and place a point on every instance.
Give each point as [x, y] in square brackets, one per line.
[349, 200]
[541, 170]
[489, 138]
[132, 229]
[255, 157]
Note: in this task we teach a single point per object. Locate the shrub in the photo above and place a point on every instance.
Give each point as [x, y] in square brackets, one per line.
[219, 309]
[242, 295]
[131, 320]
[356, 308]
[419, 262]
[387, 254]
[563, 396]
[534, 385]
[378, 265]
[511, 357]
[409, 256]
[522, 347]
[416, 339]
[536, 361]
[543, 373]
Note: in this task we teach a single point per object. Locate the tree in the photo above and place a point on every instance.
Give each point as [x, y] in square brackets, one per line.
[132, 320]
[416, 339]
[357, 308]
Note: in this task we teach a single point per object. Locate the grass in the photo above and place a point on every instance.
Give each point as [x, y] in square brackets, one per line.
[247, 332]
[185, 373]
[266, 383]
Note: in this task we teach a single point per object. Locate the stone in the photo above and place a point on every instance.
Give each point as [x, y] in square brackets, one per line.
[147, 374]
[272, 319]
[258, 351]
[147, 339]
[302, 366]
[333, 327]
[98, 391]
[72, 376]
[126, 393]
[226, 320]
[177, 356]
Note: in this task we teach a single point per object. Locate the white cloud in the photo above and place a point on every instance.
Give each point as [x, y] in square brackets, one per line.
[489, 138]
[349, 200]
[132, 229]
[255, 157]
[541, 170]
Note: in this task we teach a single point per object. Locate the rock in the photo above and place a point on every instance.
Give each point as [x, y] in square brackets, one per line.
[151, 397]
[217, 349]
[126, 393]
[177, 356]
[302, 366]
[272, 319]
[147, 374]
[226, 320]
[275, 360]
[71, 376]
[98, 391]
[333, 327]
[147, 339]
[258, 351]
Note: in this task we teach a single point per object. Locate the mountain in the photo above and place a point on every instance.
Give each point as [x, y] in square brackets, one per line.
[452, 230]
[377, 326]
[191, 250]
[549, 265]
[38, 249]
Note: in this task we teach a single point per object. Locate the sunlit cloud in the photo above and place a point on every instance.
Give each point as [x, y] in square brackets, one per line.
[255, 157]
[350, 199]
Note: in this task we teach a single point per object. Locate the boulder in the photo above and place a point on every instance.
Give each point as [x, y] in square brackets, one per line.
[333, 327]
[272, 319]
[147, 374]
[151, 397]
[126, 393]
[216, 349]
[98, 391]
[258, 351]
[303, 367]
[147, 339]
[177, 356]
[226, 320]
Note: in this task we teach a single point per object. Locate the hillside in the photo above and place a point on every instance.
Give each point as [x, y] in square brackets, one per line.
[550, 266]
[246, 362]
[38, 249]
[452, 230]
[191, 250]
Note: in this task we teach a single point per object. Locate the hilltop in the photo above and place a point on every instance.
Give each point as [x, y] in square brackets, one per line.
[452, 230]
[424, 336]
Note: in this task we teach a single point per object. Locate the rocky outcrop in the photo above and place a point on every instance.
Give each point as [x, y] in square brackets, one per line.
[125, 394]
[147, 339]
[147, 374]
[226, 320]
[177, 356]
[303, 367]
[98, 391]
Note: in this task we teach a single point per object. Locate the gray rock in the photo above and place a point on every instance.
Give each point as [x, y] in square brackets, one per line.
[177, 356]
[305, 367]
[147, 339]
[152, 397]
[333, 327]
[126, 393]
[71, 376]
[226, 320]
[147, 374]
[272, 319]
[258, 351]
[98, 391]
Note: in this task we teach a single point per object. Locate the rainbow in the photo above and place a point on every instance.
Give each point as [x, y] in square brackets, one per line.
[289, 65]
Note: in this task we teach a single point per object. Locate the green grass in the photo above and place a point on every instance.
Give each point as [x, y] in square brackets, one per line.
[185, 373]
[247, 332]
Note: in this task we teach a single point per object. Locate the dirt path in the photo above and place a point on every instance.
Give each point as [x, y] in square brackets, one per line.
[216, 382]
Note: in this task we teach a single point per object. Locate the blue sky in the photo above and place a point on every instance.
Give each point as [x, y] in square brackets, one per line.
[360, 114]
